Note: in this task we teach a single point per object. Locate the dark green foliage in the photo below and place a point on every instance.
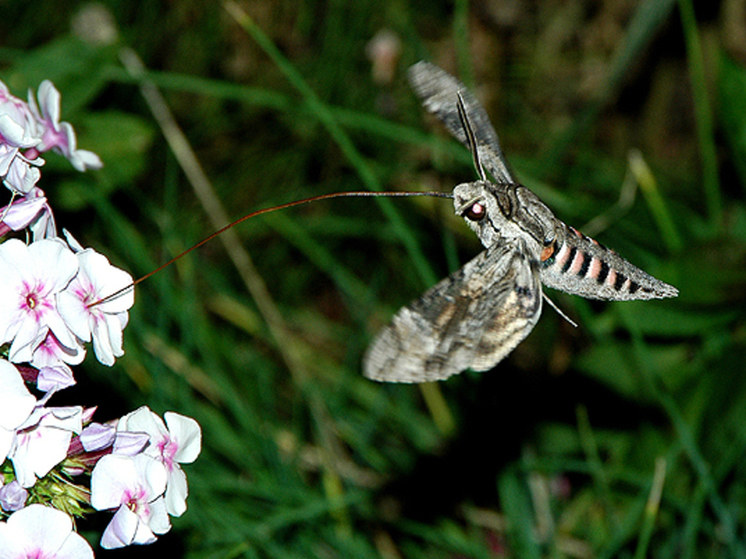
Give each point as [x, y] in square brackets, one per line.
[554, 453]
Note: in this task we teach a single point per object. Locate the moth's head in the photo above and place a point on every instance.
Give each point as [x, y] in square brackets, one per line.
[477, 204]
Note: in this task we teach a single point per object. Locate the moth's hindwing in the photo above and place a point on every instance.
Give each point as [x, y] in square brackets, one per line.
[438, 91]
[471, 319]
[579, 265]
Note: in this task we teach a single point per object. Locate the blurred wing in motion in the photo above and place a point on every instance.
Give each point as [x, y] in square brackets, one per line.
[439, 91]
[471, 319]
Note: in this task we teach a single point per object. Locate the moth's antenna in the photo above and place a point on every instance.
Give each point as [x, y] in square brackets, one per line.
[559, 312]
[470, 137]
[354, 194]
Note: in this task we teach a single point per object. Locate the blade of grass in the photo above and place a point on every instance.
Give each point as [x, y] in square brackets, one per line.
[516, 505]
[651, 508]
[644, 25]
[703, 116]
[657, 205]
[695, 510]
[628, 527]
[731, 109]
[590, 448]
[462, 42]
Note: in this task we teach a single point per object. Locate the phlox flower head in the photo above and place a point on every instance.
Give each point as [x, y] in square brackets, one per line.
[30, 279]
[133, 487]
[41, 532]
[180, 442]
[103, 323]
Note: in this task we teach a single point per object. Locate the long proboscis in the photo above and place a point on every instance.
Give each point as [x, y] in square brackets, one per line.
[353, 194]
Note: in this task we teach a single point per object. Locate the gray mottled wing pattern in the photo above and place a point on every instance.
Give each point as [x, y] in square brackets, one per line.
[438, 92]
[471, 319]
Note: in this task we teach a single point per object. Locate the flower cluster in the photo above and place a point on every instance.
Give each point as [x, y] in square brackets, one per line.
[55, 298]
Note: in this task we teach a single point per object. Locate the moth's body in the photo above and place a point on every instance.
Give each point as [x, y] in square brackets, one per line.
[477, 315]
[568, 260]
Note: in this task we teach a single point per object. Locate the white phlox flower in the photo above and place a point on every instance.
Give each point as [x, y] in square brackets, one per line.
[41, 532]
[18, 127]
[133, 486]
[179, 443]
[57, 135]
[16, 405]
[30, 279]
[103, 323]
[18, 131]
[42, 441]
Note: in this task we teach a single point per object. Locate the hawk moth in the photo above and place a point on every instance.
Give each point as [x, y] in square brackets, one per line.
[480, 313]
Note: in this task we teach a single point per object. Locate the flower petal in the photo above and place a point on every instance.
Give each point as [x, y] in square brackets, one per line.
[176, 492]
[124, 529]
[41, 531]
[16, 402]
[188, 435]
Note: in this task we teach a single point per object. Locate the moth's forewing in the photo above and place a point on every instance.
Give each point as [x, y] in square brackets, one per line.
[471, 319]
[438, 91]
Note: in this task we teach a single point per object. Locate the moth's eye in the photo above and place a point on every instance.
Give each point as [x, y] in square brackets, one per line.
[475, 212]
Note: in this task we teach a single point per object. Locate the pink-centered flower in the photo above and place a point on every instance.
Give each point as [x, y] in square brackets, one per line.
[133, 486]
[41, 532]
[103, 322]
[30, 279]
[57, 135]
[43, 440]
[179, 443]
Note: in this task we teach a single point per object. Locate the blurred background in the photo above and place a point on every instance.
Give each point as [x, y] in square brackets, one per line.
[624, 437]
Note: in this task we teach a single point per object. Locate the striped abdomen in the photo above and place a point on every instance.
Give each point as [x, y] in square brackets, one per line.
[581, 266]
